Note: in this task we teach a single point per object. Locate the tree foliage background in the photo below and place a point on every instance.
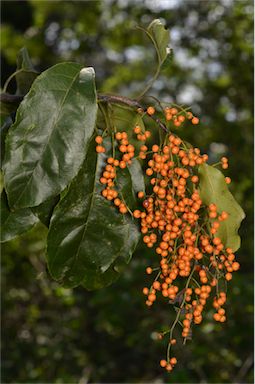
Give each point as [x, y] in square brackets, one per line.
[56, 335]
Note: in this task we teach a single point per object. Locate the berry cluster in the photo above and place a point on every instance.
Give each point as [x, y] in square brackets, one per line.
[191, 258]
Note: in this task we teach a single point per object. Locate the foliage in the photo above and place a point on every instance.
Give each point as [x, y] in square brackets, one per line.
[236, 133]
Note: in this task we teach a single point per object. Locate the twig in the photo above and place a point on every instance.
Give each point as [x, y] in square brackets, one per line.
[8, 98]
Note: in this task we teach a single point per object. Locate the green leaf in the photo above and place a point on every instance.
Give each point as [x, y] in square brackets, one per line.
[44, 211]
[137, 176]
[213, 189]
[7, 122]
[14, 223]
[87, 233]
[47, 144]
[25, 73]
[96, 279]
[160, 37]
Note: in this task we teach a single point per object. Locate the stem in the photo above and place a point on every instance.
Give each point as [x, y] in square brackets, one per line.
[131, 103]
[11, 99]
[150, 83]
[179, 312]
[118, 99]
[10, 78]
[158, 67]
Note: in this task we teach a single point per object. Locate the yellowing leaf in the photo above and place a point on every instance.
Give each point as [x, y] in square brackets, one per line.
[213, 189]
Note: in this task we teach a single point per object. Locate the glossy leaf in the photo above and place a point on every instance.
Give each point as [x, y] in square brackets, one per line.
[87, 233]
[160, 37]
[47, 144]
[137, 176]
[7, 122]
[14, 223]
[97, 279]
[44, 211]
[213, 189]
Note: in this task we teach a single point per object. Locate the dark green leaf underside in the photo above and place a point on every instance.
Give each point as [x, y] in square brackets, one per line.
[14, 223]
[87, 233]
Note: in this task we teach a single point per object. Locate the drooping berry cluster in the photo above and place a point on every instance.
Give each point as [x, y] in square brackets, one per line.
[191, 258]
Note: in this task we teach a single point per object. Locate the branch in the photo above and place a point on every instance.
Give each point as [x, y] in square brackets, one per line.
[131, 103]
[14, 99]
[10, 99]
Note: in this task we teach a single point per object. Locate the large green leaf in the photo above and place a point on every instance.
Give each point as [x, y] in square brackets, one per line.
[14, 223]
[7, 122]
[44, 211]
[160, 37]
[87, 233]
[213, 189]
[137, 176]
[97, 279]
[47, 144]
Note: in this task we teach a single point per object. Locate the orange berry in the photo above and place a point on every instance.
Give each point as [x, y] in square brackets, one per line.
[137, 214]
[145, 291]
[123, 148]
[137, 129]
[163, 363]
[149, 270]
[195, 120]
[194, 179]
[216, 317]
[173, 111]
[221, 311]
[118, 135]
[155, 148]
[150, 110]
[169, 367]
[224, 215]
[140, 194]
[181, 118]
[149, 172]
[228, 180]
[99, 139]
[122, 164]
[100, 149]
[123, 209]
[235, 266]
[173, 360]
[168, 116]
[152, 297]
[156, 285]
[117, 202]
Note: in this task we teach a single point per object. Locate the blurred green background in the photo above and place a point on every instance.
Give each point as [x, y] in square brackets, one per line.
[56, 335]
